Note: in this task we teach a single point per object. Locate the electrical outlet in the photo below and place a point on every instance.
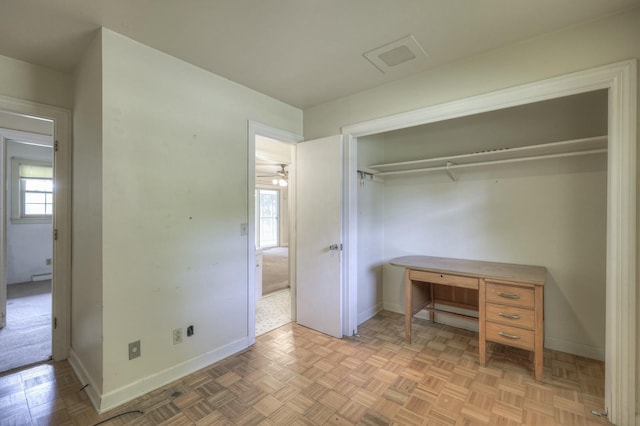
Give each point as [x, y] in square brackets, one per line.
[48, 261]
[243, 229]
[134, 349]
[190, 331]
[177, 336]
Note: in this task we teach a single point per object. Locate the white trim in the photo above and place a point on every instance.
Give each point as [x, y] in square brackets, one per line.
[85, 378]
[369, 313]
[61, 292]
[145, 385]
[350, 235]
[255, 128]
[620, 79]
[563, 345]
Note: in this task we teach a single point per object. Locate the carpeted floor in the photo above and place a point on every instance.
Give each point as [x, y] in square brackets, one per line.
[275, 269]
[273, 311]
[26, 339]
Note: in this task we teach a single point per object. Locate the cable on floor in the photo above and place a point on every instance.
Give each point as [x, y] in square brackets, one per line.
[118, 415]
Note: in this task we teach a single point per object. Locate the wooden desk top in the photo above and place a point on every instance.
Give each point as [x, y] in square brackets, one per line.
[474, 268]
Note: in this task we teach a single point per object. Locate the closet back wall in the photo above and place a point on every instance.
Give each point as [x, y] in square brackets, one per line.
[544, 212]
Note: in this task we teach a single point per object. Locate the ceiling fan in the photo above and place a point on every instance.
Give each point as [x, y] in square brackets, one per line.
[280, 177]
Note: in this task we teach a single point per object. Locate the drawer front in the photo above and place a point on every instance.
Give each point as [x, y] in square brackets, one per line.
[511, 336]
[451, 280]
[510, 315]
[511, 295]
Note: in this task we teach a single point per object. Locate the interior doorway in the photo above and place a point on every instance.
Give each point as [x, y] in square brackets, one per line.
[16, 113]
[27, 241]
[273, 291]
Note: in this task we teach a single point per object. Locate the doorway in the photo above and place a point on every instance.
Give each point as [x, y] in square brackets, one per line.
[271, 228]
[51, 127]
[27, 159]
[273, 293]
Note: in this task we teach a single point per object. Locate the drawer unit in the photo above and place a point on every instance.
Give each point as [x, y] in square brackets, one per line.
[446, 279]
[512, 314]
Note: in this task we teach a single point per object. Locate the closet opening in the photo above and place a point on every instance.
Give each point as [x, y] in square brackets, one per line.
[539, 174]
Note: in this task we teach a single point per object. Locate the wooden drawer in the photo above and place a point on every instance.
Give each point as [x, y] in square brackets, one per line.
[510, 315]
[511, 295]
[511, 336]
[451, 280]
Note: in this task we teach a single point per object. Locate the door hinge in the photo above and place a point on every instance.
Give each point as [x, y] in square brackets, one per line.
[55, 146]
[55, 234]
[55, 322]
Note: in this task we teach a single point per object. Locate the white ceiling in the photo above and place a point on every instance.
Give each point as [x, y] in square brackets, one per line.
[303, 52]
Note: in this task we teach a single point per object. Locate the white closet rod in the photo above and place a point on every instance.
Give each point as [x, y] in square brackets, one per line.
[483, 163]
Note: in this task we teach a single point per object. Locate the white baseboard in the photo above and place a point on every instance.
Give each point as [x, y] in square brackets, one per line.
[580, 349]
[133, 390]
[85, 378]
[393, 307]
[369, 313]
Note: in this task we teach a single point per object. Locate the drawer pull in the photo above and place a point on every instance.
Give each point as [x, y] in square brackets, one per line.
[507, 335]
[508, 295]
[510, 316]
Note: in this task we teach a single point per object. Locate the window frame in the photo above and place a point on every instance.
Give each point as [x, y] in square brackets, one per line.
[17, 192]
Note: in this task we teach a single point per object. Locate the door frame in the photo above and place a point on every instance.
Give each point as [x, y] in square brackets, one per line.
[255, 128]
[621, 81]
[61, 289]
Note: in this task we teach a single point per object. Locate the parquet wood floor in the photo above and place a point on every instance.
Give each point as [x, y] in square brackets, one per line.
[296, 376]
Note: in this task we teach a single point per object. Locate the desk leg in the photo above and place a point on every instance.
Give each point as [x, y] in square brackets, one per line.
[482, 343]
[538, 345]
[408, 307]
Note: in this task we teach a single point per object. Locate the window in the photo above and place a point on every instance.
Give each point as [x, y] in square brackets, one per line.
[32, 191]
[267, 203]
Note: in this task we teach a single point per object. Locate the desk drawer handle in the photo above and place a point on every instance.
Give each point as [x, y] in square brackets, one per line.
[508, 295]
[511, 316]
[507, 335]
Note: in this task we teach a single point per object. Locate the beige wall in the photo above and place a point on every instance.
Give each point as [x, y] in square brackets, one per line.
[174, 191]
[86, 274]
[34, 83]
[546, 212]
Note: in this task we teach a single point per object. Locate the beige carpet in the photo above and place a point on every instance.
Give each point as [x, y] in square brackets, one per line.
[275, 269]
[26, 339]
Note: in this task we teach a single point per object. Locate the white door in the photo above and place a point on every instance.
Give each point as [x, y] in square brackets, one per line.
[318, 232]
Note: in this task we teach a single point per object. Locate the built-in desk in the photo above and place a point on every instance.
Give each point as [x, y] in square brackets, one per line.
[508, 298]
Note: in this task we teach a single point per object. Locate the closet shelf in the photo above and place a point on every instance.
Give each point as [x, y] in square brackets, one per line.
[593, 145]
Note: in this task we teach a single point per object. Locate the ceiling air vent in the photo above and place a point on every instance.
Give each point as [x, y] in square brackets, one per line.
[397, 54]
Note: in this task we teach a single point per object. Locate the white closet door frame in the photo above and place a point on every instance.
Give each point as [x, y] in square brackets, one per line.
[621, 81]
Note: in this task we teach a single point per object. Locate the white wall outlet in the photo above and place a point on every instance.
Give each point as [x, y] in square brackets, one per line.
[177, 336]
[243, 229]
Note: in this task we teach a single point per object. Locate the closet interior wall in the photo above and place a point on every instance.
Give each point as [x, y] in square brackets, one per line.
[549, 212]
